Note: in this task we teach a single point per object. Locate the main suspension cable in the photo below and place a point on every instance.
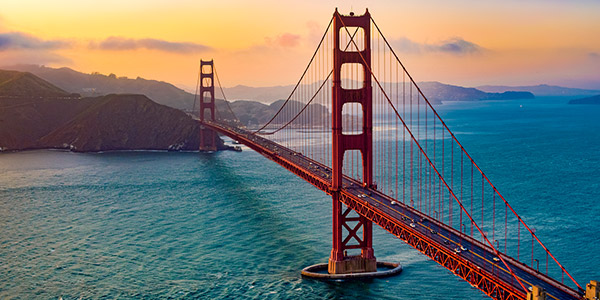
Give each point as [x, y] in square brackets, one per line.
[235, 118]
[299, 81]
[197, 91]
[310, 101]
[471, 159]
[423, 152]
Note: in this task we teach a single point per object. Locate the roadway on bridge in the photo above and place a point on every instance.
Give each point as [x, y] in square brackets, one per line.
[473, 251]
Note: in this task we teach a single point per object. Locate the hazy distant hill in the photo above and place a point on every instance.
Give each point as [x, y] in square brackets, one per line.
[255, 113]
[435, 91]
[97, 84]
[540, 90]
[112, 122]
[254, 105]
[261, 94]
[13, 83]
[587, 100]
[167, 94]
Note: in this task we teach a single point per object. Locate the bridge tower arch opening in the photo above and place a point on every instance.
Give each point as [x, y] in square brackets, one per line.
[345, 225]
[208, 138]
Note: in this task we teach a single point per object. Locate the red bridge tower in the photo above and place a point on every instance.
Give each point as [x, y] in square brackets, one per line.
[208, 138]
[339, 261]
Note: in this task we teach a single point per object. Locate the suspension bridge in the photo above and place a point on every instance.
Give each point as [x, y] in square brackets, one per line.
[357, 127]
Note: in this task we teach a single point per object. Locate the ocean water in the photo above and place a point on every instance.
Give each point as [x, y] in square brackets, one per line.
[228, 225]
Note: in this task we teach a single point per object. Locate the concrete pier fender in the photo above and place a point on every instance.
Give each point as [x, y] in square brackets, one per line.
[313, 272]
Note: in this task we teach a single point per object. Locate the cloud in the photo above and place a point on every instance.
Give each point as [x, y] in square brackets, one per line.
[594, 55]
[406, 45]
[23, 48]
[315, 31]
[455, 46]
[286, 40]
[35, 57]
[120, 43]
[19, 40]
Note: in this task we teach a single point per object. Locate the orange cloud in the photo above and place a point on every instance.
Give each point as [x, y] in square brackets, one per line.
[121, 43]
[23, 48]
[19, 40]
[455, 46]
[286, 40]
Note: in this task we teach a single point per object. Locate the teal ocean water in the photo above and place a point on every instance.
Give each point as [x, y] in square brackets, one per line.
[228, 225]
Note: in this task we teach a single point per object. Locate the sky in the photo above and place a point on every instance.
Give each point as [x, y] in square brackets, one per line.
[269, 42]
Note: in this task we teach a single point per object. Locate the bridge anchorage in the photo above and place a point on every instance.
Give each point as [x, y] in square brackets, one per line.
[430, 193]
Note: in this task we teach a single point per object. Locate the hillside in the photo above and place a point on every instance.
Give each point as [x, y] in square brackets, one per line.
[112, 122]
[126, 122]
[30, 107]
[265, 95]
[165, 93]
[437, 92]
[95, 84]
[257, 105]
[587, 100]
[539, 90]
[13, 83]
[252, 113]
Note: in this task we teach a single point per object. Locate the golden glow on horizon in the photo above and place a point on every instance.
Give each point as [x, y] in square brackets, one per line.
[522, 43]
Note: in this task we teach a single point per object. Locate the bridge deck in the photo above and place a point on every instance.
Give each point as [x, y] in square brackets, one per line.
[465, 257]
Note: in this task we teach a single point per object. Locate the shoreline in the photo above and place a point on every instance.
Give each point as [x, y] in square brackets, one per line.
[228, 148]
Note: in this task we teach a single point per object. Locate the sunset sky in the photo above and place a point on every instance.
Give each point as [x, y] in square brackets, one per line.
[264, 43]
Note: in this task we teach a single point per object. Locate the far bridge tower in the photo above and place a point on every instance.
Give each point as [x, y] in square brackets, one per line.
[208, 138]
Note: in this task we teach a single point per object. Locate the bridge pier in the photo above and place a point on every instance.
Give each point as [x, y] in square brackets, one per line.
[208, 139]
[352, 264]
[351, 231]
[339, 261]
[344, 220]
